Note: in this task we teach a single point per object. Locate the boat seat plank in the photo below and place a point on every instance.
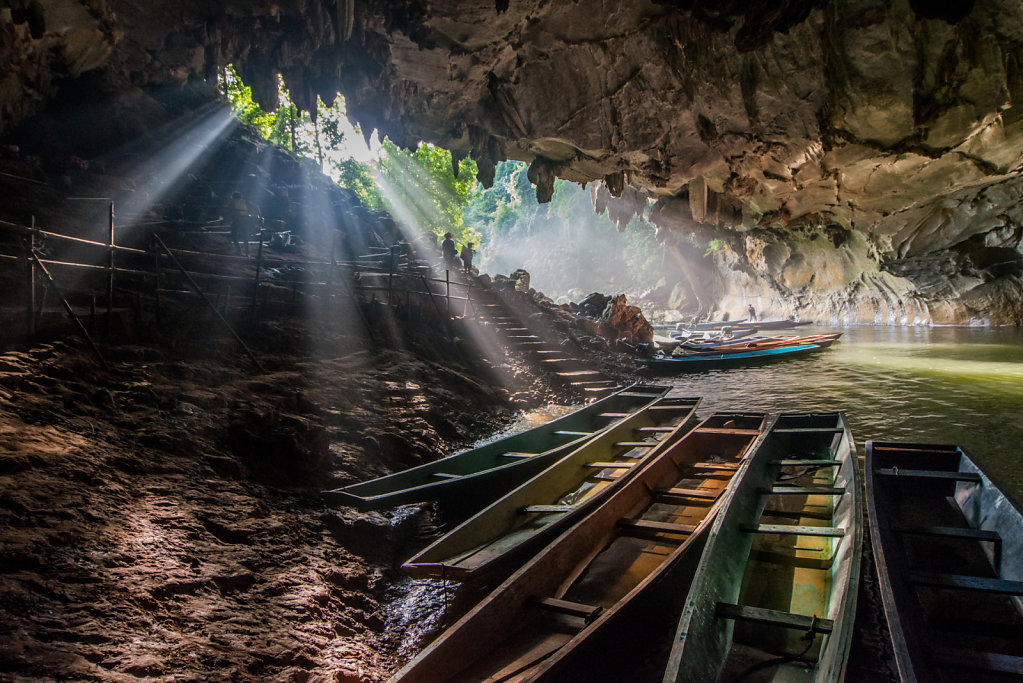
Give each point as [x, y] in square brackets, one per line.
[803, 490]
[445, 475]
[573, 609]
[655, 430]
[984, 661]
[793, 530]
[808, 430]
[634, 444]
[548, 508]
[773, 617]
[715, 466]
[646, 526]
[951, 532]
[638, 394]
[965, 582]
[614, 415]
[727, 430]
[674, 409]
[606, 477]
[565, 432]
[689, 493]
[930, 474]
[907, 449]
[806, 463]
[515, 454]
[605, 465]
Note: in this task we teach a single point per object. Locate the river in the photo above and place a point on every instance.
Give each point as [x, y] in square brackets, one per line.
[954, 385]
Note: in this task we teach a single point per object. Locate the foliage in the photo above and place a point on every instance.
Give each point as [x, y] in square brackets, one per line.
[358, 177]
[714, 246]
[423, 185]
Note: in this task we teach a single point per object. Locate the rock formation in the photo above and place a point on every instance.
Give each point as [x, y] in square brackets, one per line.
[856, 159]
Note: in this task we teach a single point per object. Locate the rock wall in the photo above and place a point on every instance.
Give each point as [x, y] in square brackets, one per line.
[898, 121]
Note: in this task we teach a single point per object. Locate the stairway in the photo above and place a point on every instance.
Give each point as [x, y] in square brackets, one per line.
[565, 368]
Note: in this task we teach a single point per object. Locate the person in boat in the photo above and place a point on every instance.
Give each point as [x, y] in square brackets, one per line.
[751, 313]
[467, 252]
[726, 332]
[447, 248]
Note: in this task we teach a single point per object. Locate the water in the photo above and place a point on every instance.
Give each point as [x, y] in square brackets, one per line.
[937, 385]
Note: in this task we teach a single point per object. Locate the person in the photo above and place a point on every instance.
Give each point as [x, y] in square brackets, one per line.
[751, 313]
[241, 222]
[447, 248]
[466, 255]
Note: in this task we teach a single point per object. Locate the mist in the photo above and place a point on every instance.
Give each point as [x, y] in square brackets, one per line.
[568, 250]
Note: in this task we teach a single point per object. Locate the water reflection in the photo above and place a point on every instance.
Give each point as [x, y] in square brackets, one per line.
[949, 385]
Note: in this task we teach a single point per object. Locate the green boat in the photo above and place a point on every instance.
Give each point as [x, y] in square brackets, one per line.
[584, 607]
[490, 545]
[471, 479]
[775, 594]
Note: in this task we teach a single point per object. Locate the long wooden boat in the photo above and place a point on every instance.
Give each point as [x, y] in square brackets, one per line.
[948, 544]
[491, 544]
[474, 477]
[582, 608]
[760, 342]
[712, 361]
[776, 589]
[745, 324]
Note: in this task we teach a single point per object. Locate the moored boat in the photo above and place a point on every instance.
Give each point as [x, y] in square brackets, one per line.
[583, 607]
[713, 361]
[491, 544]
[761, 342]
[775, 592]
[948, 545]
[746, 323]
[472, 478]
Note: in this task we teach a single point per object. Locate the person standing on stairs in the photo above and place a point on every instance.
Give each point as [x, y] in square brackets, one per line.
[447, 248]
[467, 252]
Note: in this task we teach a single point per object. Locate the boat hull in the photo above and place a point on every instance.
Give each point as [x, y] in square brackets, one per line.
[780, 572]
[468, 480]
[948, 545]
[593, 564]
[715, 361]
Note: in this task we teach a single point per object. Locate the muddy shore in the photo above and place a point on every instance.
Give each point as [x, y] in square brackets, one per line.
[165, 520]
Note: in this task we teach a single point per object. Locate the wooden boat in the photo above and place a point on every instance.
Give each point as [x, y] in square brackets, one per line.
[745, 324]
[582, 607]
[472, 478]
[776, 589]
[948, 544]
[490, 545]
[712, 361]
[711, 335]
[761, 342]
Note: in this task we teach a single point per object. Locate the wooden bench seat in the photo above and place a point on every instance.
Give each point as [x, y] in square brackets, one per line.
[773, 617]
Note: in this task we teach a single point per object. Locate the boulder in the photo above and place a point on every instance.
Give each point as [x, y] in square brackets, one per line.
[628, 321]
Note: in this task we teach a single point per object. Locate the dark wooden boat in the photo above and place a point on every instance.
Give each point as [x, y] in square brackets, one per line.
[948, 544]
[582, 607]
[472, 478]
[494, 542]
[713, 361]
[775, 593]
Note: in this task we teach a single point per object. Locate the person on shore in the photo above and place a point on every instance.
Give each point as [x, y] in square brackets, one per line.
[466, 255]
[447, 248]
[241, 222]
[751, 313]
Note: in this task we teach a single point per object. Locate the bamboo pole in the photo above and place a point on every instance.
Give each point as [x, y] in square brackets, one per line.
[71, 311]
[208, 303]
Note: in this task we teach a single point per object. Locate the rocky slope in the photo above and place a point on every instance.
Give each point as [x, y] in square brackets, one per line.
[891, 131]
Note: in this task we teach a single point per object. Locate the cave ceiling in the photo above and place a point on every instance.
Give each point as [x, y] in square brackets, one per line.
[901, 121]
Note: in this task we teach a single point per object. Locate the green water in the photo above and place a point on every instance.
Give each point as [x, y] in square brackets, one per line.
[932, 385]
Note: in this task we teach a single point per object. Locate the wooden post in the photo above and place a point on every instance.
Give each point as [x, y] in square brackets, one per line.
[206, 300]
[70, 311]
[259, 265]
[30, 309]
[447, 292]
[110, 266]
